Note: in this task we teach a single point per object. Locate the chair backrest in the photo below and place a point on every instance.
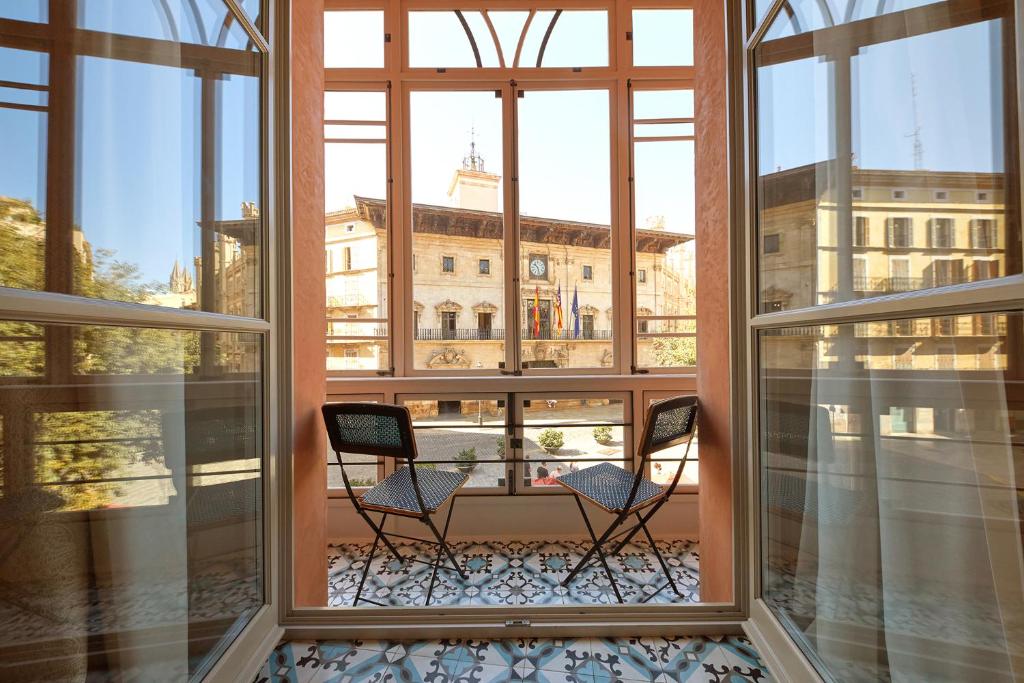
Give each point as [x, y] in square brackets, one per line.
[371, 429]
[668, 423]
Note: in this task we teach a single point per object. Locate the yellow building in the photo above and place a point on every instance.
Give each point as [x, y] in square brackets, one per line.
[907, 230]
[459, 283]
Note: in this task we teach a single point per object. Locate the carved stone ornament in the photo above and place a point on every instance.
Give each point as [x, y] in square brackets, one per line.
[448, 357]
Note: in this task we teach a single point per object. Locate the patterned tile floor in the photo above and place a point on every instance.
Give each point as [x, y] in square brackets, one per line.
[583, 660]
[512, 573]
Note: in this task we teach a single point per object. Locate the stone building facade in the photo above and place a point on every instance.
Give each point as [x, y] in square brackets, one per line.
[459, 282]
[910, 230]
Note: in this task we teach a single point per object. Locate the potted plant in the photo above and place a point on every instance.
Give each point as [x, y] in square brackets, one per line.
[603, 435]
[551, 440]
[466, 460]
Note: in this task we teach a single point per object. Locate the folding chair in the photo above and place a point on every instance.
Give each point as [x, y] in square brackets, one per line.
[386, 430]
[613, 489]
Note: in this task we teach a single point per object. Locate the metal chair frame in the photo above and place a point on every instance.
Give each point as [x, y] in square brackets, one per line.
[646, 449]
[405, 451]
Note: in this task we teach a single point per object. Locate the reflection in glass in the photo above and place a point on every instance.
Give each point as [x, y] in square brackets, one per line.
[23, 119]
[205, 23]
[147, 229]
[155, 158]
[132, 506]
[561, 435]
[884, 170]
[26, 10]
[355, 173]
[891, 463]
[456, 156]
[461, 435]
[567, 318]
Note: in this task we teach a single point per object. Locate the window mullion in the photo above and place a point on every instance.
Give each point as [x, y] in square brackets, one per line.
[510, 249]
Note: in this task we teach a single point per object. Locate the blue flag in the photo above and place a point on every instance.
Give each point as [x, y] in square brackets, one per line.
[575, 313]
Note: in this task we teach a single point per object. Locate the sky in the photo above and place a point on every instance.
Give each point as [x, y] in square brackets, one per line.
[137, 132]
[959, 104]
[138, 150]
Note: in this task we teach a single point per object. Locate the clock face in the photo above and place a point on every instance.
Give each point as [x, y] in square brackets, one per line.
[537, 267]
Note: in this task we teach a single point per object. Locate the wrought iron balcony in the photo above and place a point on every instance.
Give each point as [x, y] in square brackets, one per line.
[460, 334]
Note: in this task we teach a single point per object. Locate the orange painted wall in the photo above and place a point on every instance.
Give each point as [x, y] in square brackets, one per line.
[309, 374]
[716, 532]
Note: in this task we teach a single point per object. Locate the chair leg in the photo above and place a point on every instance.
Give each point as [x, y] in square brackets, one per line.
[596, 548]
[442, 549]
[379, 529]
[369, 560]
[657, 553]
[629, 537]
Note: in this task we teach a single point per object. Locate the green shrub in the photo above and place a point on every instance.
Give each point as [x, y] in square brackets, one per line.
[603, 435]
[551, 440]
[466, 459]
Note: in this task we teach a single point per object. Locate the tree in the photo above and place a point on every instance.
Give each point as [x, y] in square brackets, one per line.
[83, 445]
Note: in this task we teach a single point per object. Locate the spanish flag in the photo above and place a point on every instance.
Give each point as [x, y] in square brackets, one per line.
[558, 310]
[536, 313]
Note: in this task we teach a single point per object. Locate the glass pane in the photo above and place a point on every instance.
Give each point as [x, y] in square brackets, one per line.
[354, 39]
[885, 172]
[891, 461]
[564, 434]
[509, 27]
[206, 23]
[357, 238]
[26, 10]
[800, 16]
[665, 215]
[133, 507]
[466, 436]
[662, 104]
[23, 184]
[565, 239]
[442, 40]
[149, 229]
[458, 306]
[662, 37]
[579, 38]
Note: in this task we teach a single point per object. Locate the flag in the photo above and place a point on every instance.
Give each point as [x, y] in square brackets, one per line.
[558, 310]
[536, 313]
[575, 312]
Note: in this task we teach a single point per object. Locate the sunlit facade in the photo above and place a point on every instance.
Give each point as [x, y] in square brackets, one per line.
[458, 268]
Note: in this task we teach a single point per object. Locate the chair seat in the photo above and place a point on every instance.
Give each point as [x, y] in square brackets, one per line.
[396, 495]
[608, 486]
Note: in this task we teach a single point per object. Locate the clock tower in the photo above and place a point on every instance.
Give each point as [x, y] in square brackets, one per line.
[472, 187]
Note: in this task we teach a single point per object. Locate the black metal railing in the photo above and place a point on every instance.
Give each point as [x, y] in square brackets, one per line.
[459, 334]
[887, 284]
[498, 334]
[566, 335]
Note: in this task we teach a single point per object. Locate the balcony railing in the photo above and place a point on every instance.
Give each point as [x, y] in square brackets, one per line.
[462, 334]
[887, 284]
[498, 334]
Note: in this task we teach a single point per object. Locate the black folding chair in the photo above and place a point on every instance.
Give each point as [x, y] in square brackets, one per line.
[613, 489]
[386, 430]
